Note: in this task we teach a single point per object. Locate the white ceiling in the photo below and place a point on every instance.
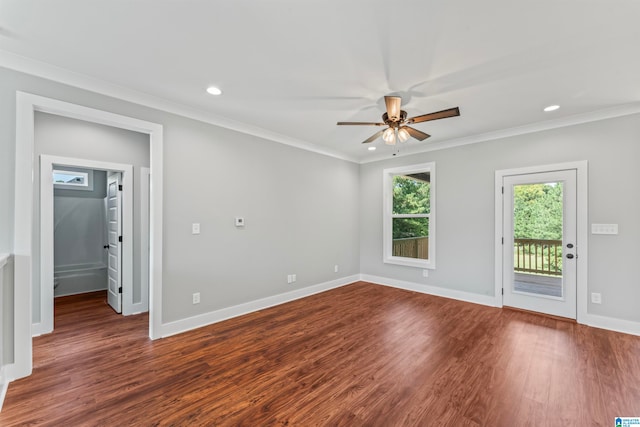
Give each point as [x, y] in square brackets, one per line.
[291, 69]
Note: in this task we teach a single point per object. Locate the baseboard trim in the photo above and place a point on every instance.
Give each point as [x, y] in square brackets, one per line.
[184, 325]
[5, 379]
[37, 329]
[612, 324]
[137, 308]
[431, 290]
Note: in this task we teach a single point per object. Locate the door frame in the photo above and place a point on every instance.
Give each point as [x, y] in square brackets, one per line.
[47, 238]
[582, 229]
[26, 106]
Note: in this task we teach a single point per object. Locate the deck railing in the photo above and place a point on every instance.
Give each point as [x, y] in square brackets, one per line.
[538, 256]
[413, 247]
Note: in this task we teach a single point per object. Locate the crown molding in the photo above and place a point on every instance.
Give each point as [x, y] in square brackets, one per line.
[576, 119]
[61, 75]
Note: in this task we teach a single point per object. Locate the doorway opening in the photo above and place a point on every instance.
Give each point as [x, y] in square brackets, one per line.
[25, 249]
[127, 292]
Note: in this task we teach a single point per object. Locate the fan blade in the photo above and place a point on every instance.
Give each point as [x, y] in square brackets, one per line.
[360, 124]
[393, 107]
[417, 134]
[451, 112]
[373, 137]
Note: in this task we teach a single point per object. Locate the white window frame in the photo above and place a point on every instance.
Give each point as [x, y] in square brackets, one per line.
[388, 216]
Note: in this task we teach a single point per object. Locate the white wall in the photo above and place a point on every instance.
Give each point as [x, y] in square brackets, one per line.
[465, 209]
[65, 137]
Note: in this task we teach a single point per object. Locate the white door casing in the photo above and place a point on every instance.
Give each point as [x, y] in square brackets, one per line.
[565, 304]
[114, 237]
[26, 106]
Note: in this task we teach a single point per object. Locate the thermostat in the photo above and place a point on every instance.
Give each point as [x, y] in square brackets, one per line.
[239, 221]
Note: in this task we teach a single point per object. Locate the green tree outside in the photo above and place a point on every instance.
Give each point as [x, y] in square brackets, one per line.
[537, 211]
[410, 196]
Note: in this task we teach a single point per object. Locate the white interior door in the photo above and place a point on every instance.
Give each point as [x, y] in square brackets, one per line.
[539, 250]
[114, 232]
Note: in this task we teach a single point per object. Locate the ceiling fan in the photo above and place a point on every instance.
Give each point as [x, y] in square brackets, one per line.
[397, 122]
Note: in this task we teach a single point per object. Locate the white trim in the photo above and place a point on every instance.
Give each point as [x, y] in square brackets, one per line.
[612, 324]
[143, 256]
[4, 383]
[61, 75]
[582, 231]
[387, 216]
[190, 323]
[430, 290]
[576, 119]
[26, 105]
[47, 164]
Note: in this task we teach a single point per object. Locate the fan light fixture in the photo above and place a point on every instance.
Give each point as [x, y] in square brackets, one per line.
[389, 136]
[398, 129]
[403, 135]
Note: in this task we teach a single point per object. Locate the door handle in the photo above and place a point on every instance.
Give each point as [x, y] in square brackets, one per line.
[106, 246]
[569, 245]
[570, 256]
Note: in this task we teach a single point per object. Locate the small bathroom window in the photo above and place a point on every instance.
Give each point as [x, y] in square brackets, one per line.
[73, 179]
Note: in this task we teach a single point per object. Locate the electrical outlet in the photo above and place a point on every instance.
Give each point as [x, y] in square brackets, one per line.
[195, 228]
[596, 298]
[335, 268]
[196, 298]
[425, 273]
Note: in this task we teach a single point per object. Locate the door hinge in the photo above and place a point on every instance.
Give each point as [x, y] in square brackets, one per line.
[120, 290]
[502, 291]
[120, 187]
[503, 240]
[119, 238]
[502, 190]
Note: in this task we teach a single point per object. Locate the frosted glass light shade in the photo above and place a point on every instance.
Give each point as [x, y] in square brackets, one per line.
[403, 135]
[389, 136]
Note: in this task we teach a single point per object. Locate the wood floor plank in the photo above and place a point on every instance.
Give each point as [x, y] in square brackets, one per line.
[360, 355]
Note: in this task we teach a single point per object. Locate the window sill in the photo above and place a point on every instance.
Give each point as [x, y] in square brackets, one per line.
[411, 262]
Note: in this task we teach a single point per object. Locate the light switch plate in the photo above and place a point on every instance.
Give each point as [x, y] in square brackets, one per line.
[195, 228]
[604, 228]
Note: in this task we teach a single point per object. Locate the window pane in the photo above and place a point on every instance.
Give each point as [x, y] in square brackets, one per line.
[411, 193]
[70, 178]
[411, 237]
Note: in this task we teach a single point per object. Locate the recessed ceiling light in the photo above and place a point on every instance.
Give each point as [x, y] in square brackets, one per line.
[551, 108]
[372, 148]
[214, 90]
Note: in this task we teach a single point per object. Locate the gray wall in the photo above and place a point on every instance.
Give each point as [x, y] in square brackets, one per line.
[465, 209]
[79, 224]
[306, 212]
[301, 208]
[61, 136]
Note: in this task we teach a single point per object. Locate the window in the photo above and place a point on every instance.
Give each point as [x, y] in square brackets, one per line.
[73, 179]
[409, 215]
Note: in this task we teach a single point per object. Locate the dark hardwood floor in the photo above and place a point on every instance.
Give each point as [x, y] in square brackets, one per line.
[361, 355]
